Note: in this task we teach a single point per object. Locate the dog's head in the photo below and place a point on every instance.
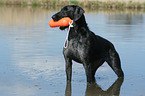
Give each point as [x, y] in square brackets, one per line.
[74, 12]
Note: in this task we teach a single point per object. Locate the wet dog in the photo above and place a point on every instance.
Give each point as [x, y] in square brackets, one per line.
[83, 46]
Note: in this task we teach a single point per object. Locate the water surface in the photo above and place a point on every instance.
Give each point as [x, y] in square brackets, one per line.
[32, 63]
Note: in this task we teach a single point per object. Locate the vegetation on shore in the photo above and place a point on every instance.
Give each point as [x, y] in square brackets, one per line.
[86, 3]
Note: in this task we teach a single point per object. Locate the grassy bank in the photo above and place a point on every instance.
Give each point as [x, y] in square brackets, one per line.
[87, 3]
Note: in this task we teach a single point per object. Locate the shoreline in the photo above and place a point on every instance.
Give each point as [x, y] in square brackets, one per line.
[114, 4]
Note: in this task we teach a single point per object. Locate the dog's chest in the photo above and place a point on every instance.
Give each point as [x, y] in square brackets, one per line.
[76, 50]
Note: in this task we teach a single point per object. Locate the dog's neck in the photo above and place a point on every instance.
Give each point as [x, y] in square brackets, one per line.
[79, 28]
[81, 22]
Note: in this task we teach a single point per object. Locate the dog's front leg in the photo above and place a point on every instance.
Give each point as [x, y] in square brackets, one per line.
[68, 69]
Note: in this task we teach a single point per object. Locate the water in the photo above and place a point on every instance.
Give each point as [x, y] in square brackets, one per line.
[32, 63]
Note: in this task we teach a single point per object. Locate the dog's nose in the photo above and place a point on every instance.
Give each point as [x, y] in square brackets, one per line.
[53, 17]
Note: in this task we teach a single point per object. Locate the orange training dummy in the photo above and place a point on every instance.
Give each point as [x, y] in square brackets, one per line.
[60, 23]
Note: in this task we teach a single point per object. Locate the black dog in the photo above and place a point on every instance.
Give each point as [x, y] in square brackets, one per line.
[83, 46]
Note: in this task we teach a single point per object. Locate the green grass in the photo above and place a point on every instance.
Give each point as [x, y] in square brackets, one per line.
[74, 2]
[35, 3]
[24, 3]
[1, 2]
[87, 4]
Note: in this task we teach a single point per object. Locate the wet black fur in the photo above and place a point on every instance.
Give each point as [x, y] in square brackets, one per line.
[85, 47]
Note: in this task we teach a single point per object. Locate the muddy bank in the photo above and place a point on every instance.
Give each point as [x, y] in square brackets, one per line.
[133, 4]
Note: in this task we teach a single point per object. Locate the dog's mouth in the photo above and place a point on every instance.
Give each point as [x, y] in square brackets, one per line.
[55, 18]
[63, 28]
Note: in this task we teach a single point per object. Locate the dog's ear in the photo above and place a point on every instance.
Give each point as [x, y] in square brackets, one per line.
[78, 13]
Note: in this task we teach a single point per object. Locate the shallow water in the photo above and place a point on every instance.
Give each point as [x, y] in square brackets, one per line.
[32, 63]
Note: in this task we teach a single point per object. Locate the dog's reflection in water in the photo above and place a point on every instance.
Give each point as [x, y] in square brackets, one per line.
[96, 90]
